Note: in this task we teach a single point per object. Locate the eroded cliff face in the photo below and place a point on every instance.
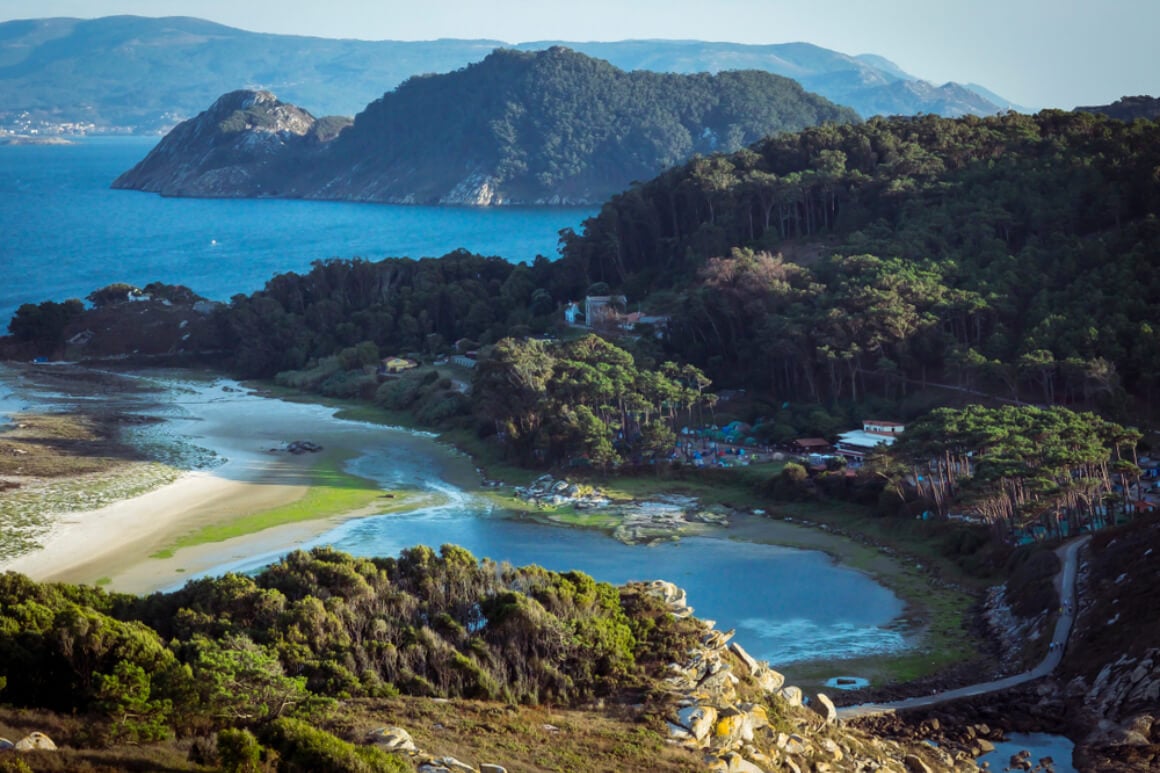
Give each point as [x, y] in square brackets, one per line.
[243, 146]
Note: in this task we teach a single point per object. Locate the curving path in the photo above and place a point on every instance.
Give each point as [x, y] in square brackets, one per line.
[1065, 585]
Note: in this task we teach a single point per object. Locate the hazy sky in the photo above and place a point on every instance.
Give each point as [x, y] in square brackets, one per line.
[1038, 53]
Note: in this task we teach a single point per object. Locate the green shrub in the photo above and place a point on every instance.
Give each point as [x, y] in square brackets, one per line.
[126, 697]
[239, 751]
[435, 410]
[306, 749]
[348, 384]
[399, 394]
[309, 378]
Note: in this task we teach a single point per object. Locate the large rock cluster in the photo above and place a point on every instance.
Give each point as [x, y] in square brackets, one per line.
[664, 517]
[546, 491]
[399, 741]
[33, 742]
[661, 518]
[1122, 702]
[744, 718]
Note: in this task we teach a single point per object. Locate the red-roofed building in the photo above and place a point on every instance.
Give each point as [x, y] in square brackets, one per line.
[811, 445]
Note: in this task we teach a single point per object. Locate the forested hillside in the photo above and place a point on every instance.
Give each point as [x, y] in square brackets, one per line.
[252, 654]
[545, 127]
[844, 267]
[559, 123]
[1014, 253]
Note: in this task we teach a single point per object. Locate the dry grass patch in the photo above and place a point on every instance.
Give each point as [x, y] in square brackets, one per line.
[526, 739]
[81, 750]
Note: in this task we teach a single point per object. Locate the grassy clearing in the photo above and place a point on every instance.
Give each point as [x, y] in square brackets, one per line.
[349, 410]
[586, 519]
[331, 492]
[734, 487]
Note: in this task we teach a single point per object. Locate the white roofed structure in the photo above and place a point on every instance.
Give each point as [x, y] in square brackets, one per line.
[857, 443]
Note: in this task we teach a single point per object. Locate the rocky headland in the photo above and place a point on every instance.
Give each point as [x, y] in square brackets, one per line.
[551, 127]
[242, 146]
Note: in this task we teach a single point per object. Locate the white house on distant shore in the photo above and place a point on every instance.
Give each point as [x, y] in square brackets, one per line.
[857, 443]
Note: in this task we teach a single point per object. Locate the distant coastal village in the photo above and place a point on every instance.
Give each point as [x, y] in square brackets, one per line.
[25, 127]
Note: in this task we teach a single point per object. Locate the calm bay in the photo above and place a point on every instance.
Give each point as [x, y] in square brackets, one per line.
[66, 233]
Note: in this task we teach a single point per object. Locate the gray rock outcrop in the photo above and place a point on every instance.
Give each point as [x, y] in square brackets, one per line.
[1122, 702]
[35, 741]
[244, 145]
[393, 739]
[737, 735]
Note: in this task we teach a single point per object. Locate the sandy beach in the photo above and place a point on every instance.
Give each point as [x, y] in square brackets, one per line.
[125, 545]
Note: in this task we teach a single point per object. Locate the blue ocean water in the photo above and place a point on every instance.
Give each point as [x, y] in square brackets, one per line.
[64, 233]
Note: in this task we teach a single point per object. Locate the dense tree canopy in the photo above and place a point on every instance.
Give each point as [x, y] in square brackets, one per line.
[1014, 466]
[1013, 252]
[584, 399]
[43, 324]
[397, 304]
[237, 651]
[555, 124]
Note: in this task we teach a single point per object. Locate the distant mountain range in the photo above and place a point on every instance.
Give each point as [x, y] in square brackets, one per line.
[520, 127]
[147, 74]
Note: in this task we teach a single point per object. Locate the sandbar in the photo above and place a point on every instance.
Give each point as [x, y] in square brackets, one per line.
[117, 545]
